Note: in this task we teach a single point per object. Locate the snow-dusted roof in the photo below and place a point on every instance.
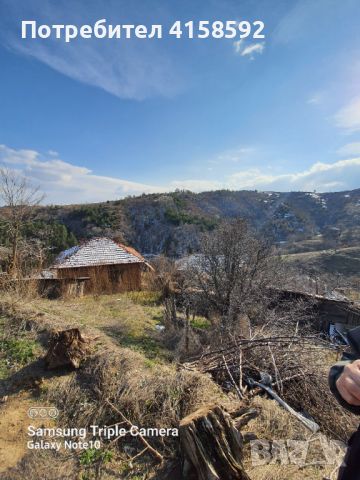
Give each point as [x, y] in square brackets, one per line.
[47, 274]
[97, 251]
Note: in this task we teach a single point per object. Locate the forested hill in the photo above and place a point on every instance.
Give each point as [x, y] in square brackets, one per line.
[171, 223]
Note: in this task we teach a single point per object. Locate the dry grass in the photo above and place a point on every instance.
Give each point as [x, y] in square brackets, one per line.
[290, 472]
[275, 424]
[44, 464]
[150, 392]
[150, 396]
[123, 319]
[345, 261]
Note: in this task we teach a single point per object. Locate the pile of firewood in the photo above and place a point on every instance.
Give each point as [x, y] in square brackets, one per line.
[292, 369]
[247, 358]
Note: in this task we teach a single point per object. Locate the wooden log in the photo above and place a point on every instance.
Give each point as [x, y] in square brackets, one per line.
[245, 418]
[211, 446]
[67, 348]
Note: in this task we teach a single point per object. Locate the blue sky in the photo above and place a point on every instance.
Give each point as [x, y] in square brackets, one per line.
[101, 119]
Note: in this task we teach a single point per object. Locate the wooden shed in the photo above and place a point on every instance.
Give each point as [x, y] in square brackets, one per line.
[109, 266]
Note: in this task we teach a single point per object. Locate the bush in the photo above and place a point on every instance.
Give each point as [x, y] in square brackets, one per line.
[200, 322]
[178, 217]
[18, 351]
[145, 298]
[97, 215]
[93, 455]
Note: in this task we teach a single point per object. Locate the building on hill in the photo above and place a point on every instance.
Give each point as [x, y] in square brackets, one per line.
[105, 266]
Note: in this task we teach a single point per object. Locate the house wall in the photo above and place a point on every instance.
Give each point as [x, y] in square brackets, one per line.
[106, 278]
[61, 287]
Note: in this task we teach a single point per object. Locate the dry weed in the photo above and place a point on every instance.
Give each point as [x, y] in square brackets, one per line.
[44, 464]
[275, 424]
[150, 395]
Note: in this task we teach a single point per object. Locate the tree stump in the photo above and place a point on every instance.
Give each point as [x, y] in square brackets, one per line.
[211, 447]
[67, 348]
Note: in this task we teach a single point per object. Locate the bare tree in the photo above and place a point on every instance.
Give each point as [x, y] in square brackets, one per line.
[20, 198]
[165, 278]
[332, 237]
[235, 271]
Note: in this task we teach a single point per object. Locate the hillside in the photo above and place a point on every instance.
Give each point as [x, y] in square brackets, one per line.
[182, 351]
[137, 367]
[172, 223]
[337, 268]
[344, 261]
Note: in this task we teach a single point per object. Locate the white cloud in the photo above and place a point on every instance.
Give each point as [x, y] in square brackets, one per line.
[243, 49]
[350, 149]
[315, 99]
[348, 118]
[63, 182]
[234, 155]
[131, 68]
[341, 175]
[196, 185]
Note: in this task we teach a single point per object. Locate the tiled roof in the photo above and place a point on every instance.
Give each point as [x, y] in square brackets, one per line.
[97, 251]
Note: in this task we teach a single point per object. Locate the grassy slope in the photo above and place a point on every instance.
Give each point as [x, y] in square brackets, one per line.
[111, 322]
[345, 261]
[126, 319]
[16, 351]
[129, 320]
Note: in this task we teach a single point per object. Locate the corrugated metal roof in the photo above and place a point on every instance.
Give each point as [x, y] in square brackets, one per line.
[97, 251]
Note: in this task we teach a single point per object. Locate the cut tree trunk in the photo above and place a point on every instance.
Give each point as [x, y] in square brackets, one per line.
[67, 349]
[211, 446]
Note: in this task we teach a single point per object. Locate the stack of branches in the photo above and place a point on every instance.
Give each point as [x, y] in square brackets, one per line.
[298, 366]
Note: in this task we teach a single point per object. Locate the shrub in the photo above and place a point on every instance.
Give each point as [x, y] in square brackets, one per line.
[18, 351]
[93, 455]
[178, 217]
[145, 297]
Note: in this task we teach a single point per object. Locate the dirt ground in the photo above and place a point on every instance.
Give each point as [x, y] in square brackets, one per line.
[13, 418]
[14, 421]
[108, 322]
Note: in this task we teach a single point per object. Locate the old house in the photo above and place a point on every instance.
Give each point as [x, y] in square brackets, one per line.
[103, 265]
